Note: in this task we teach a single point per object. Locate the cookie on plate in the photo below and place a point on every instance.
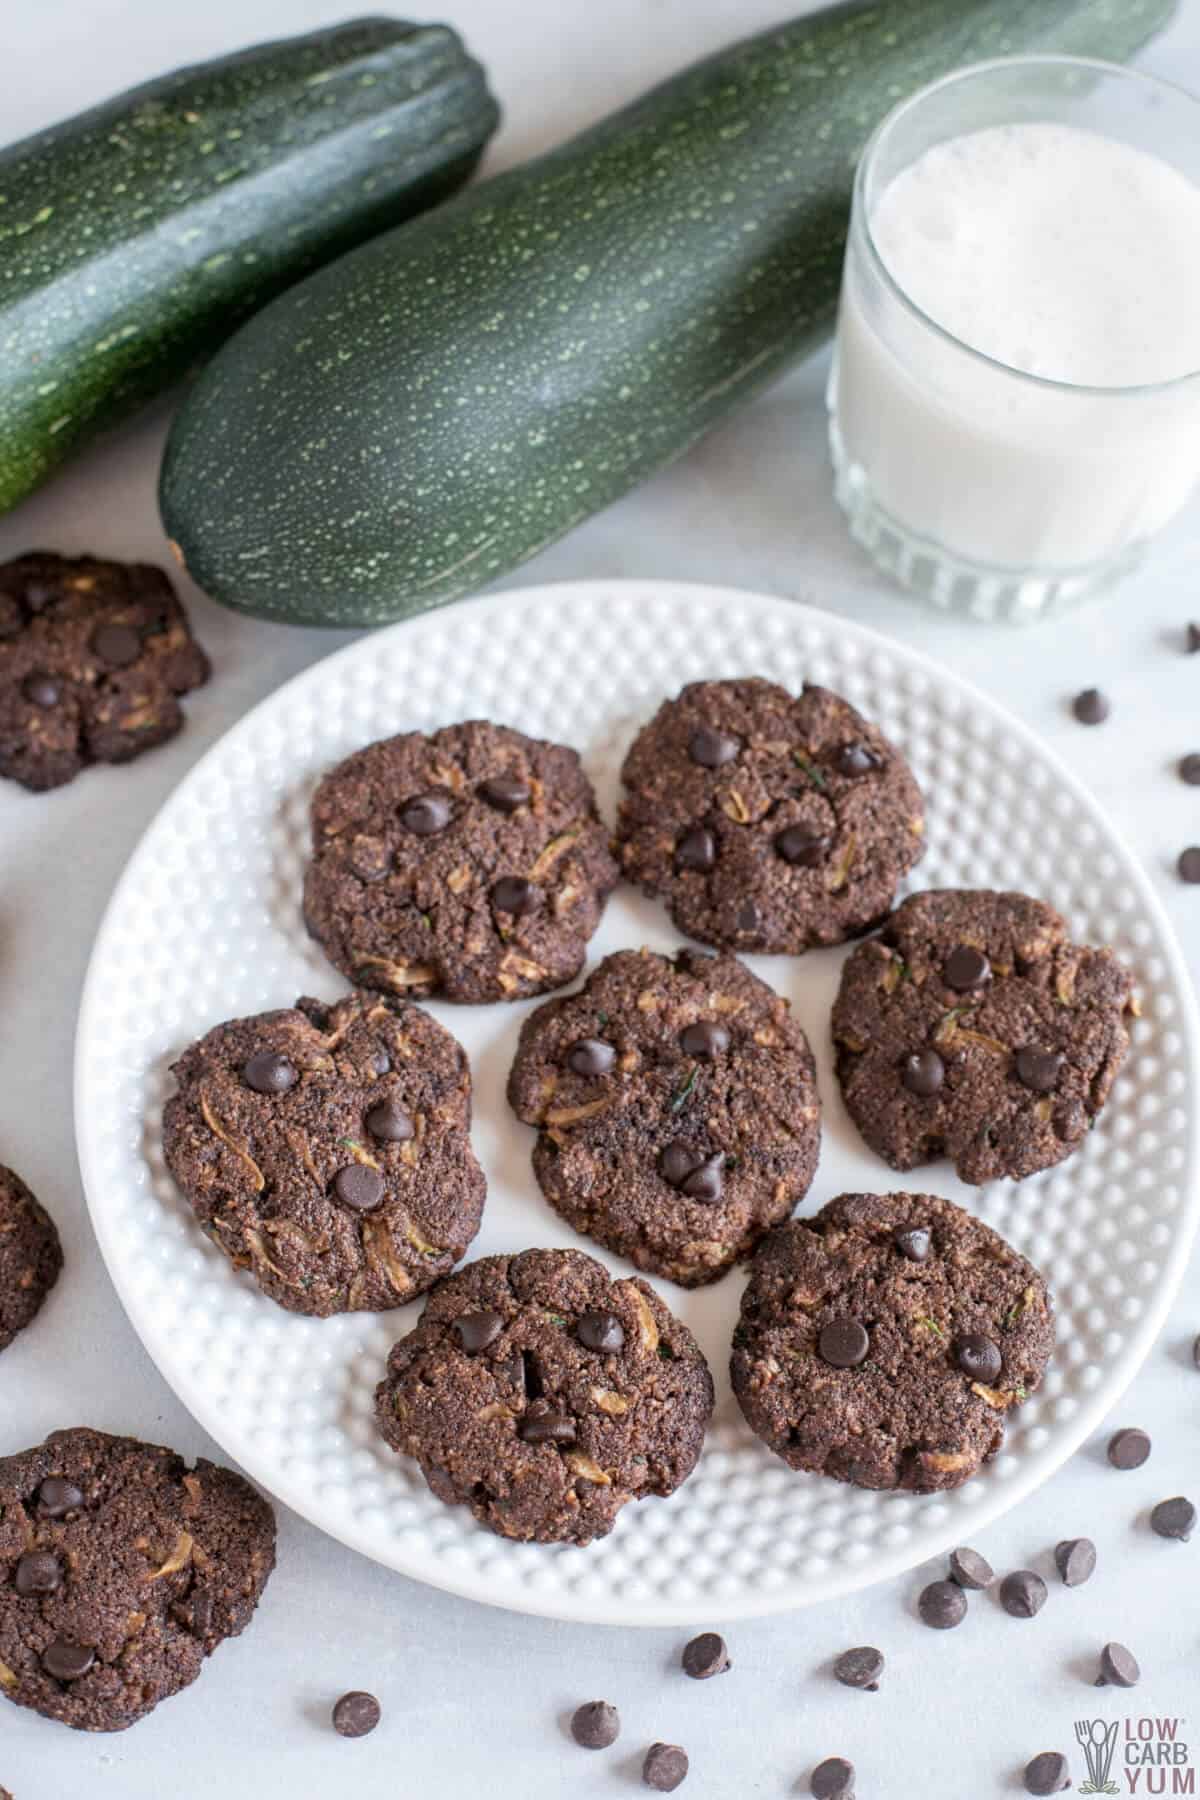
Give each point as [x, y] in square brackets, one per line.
[972, 1028]
[30, 1256]
[326, 1149]
[121, 1569]
[884, 1341]
[471, 864]
[676, 1105]
[768, 822]
[93, 658]
[544, 1394]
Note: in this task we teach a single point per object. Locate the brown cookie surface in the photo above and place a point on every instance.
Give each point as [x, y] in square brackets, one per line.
[30, 1256]
[120, 1571]
[884, 1341]
[972, 1028]
[471, 864]
[93, 658]
[676, 1106]
[767, 822]
[544, 1395]
[326, 1149]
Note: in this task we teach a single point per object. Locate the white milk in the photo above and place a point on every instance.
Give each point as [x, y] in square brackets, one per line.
[1052, 250]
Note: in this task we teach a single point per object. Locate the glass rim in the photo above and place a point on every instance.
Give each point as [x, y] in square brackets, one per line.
[992, 65]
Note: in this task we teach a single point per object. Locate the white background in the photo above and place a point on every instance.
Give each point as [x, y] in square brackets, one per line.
[475, 1700]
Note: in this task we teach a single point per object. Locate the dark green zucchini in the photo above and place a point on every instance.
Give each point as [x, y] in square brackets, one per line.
[135, 237]
[446, 400]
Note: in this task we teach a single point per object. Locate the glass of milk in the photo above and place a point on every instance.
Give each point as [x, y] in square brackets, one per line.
[1015, 397]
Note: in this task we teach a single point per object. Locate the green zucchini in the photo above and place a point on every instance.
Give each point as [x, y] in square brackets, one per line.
[135, 237]
[448, 399]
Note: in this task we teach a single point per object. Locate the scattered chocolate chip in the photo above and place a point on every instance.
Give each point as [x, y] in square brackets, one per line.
[590, 1057]
[978, 1357]
[696, 850]
[360, 1186]
[514, 895]
[706, 1183]
[677, 1161]
[370, 858]
[1038, 1069]
[1189, 864]
[666, 1765]
[1174, 1518]
[477, 1330]
[844, 1343]
[1022, 1594]
[915, 1242]
[706, 1655]
[802, 847]
[388, 1123]
[600, 1331]
[966, 968]
[269, 1073]
[923, 1073]
[1075, 1560]
[703, 1039]
[595, 1725]
[38, 1572]
[749, 918]
[67, 1661]
[712, 749]
[1090, 707]
[41, 690]
[832, 1779]
[856, 759]
[506, 793]
[542, 1423]
[971, 1570]
[1128, 1449]
[1118, 1667]
[1047, 1773]
[116, 645]
[942, 1605]
[426, 814]
[356, 1714]
[1189, 766]
[860, 1668]
[1192, 639]
[56, 1498]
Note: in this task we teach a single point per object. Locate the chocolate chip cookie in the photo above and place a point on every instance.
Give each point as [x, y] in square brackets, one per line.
[471, 864]
[326, 1149]
[30, 1256]
[768, 822]
[120, 1571]
[972, 1028]
[884, 1341]
[543, 1394]
[676, 1106]
[93, 658]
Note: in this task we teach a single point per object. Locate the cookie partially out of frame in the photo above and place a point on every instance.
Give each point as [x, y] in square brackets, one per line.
[326, 1149]
[885, 1341]
[765, 821]
[121, 1570]
[471, 864]
[676, 1106]
[30, 1256]
[544, 1394]
[973, 1028]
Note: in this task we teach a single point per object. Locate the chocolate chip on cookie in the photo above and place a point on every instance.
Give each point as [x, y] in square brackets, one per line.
[30, 1256]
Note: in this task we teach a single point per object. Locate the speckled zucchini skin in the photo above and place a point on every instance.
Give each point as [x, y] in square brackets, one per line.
[453, 396]
[135, 237]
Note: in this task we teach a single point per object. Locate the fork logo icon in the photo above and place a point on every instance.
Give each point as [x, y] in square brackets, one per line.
[1098, 1741]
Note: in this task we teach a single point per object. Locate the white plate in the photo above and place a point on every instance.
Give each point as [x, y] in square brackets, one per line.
[205, 925]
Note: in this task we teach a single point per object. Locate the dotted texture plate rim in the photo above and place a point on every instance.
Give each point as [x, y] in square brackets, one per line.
[205, 924]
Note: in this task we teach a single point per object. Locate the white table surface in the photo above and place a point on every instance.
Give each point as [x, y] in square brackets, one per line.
[475, 1699]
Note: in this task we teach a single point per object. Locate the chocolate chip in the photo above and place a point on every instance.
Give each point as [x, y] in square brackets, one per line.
[915, 1242]
[860, 1668]
[1047, 1773]
[1038, 1069]
[355, 1714]
[923, 1073]
[1090, 707]
[41, 690]
[856, 759]
[942, 1605]
[666, 1765]
[1075, 1560]
[1189, 864]
[67, 1661]
[677, 1161]
[514, 895]
[426, 814]
[966, 968]
[696, 850]
[978, 1357]
[595, 1725]
[712, 749]
[1174, 1518]
[1189, 767]
[269, 1073]
[707, 1183]
[1022, 1594]
[749, 918]
[1128, 1449]
[706, 1655]
[542, 1423]
[56, 1498]
[360, 1186]
[477, 1330]
[971, 1570]
[703, 1039]
[1196, 1351]
[601, 1331]
[1193, 639]
[590, 1057]
[1118, 1667]
[388, 1123]
[116, 645]
[832, 1779]
[802, 846]
[505, 792]
[38, 1573]
[844, 1343]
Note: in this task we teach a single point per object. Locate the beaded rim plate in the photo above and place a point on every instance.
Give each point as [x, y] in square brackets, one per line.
[205, 925]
